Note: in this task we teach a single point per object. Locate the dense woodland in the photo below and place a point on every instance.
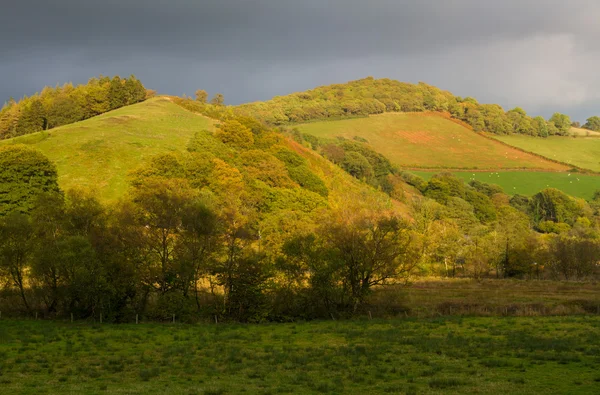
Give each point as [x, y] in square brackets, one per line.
[252, 224]
[66, 104]
[376, 96]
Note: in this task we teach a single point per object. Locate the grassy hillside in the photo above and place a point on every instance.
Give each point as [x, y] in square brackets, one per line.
[428, 140]
[530, 183]
[99, 152]
[583, 132]
[582, 152]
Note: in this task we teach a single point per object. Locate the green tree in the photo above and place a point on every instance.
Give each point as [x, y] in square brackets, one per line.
[63, 111]
[592, 123]
[32, 118]
[541, 126]
[16, 248]
[357, 165]
[371, 251]
[562, 123]
[135, 91]
[521, 123]
[24, 174]
[554, 205]
[161, 205]
[117, 93]
[197, 246]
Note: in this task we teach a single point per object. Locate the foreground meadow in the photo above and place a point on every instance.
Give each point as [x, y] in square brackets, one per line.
[437, 355]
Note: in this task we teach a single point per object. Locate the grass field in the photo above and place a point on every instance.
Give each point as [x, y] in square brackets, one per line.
[582, 152]
[530, 183]
[428, 141]
[484, 355]
[99, 152]
[459, 336]
[583, 132]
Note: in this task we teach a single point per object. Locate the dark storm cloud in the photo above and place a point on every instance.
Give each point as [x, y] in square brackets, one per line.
[535, 53]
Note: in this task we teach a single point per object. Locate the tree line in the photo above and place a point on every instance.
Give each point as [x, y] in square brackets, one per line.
[375, 96]
[66, 104]
[224, 230]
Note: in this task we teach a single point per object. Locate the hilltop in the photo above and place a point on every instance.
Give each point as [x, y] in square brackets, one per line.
[98, 153]
[376, 96]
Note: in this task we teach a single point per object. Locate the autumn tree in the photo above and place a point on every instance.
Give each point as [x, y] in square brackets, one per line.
[370, 251]
[235, 134]
[201, 96]
[217, 100]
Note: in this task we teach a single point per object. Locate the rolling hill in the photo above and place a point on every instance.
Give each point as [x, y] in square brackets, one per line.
[99, 152]
[429, 140]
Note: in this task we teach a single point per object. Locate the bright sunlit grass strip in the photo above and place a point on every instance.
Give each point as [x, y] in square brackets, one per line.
[530, 183]
[582, 152]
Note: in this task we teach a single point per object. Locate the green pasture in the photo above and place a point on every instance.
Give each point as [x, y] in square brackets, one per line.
[98, 153]
[583, 152]
[530, 183]
[485, 355]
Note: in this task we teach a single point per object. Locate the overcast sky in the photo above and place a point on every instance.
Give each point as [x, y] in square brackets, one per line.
[542, 55]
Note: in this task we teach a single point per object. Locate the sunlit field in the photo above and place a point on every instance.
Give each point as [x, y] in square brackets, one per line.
[428, 141]
[530, 183]
[581, 152]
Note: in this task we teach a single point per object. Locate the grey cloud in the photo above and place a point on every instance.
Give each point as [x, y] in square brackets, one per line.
[507, 51]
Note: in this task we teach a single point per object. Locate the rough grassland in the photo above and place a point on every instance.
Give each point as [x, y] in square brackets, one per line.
[485, 355]
[440, 347]
[530, 183]
[582, 152]
[99, 152]
[429, 141]
[583, 132]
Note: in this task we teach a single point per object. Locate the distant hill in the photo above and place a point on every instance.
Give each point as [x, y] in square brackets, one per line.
[370, 96]
[99, 152]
